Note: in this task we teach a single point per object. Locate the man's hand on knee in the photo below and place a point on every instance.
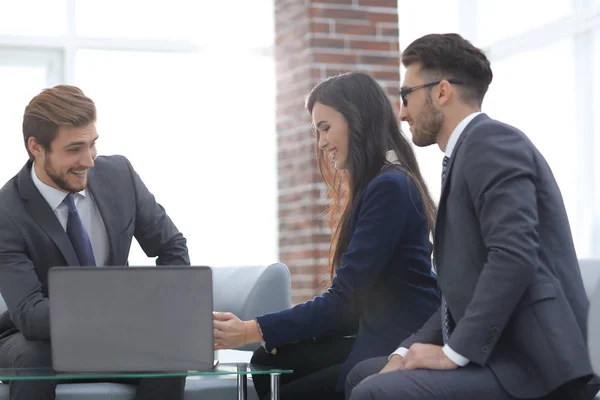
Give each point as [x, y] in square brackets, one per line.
[396, 363]
[427, 356]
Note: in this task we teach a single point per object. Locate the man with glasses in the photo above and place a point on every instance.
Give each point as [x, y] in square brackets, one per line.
[512, 323]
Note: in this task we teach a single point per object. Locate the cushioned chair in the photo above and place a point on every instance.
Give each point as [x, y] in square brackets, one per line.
[590, 272]
[245, 291]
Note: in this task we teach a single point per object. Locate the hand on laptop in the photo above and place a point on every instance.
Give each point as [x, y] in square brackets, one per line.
[231, 332]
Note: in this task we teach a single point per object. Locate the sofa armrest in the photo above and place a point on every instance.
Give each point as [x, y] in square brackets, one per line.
[251, 291]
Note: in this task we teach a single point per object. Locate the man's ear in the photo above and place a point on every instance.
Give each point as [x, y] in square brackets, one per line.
[34, 147]
[445, 92]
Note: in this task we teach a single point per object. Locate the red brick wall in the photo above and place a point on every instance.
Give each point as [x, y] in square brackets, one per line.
[316, 39]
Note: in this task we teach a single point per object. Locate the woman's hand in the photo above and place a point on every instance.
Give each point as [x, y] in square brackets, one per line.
[231, 332]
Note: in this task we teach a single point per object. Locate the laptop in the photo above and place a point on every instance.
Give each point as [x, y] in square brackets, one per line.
[131, 319]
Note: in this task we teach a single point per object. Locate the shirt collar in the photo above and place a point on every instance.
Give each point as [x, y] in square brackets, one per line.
[457, 132]
[53, 196]
[391, 156]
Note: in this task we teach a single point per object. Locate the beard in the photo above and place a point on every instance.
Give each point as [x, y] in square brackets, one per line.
[60, 180]
[429, 126]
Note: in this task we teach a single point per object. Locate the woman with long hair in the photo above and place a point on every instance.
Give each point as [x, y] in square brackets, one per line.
[381, 215]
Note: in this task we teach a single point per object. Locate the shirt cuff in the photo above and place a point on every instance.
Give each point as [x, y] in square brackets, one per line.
[454, 356]
[401, 351]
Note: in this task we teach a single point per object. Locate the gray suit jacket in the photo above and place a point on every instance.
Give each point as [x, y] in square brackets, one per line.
[32, 240]
[507, 264]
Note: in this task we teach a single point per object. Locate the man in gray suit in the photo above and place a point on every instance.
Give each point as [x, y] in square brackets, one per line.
[512, 324]
[69, 207]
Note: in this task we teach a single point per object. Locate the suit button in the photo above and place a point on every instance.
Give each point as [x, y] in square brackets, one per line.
[485, 349]
[495, 330]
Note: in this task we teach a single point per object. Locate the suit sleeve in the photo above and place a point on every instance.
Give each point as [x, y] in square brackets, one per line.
[500, 172]
[156, 233]
[378, 227]
[19, 284]
[429, 333]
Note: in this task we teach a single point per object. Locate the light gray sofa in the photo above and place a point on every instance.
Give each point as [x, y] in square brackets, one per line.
[590, 270]
[245, 291]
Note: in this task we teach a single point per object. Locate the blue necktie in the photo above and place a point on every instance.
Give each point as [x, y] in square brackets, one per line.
[78, 235]
[447, 320]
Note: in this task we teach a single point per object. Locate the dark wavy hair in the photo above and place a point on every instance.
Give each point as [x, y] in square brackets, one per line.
[373, 130]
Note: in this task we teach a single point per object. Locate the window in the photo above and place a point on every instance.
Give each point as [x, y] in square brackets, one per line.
[501, 20]
[415, 20]
[23, 74]
[193, 111]
[521, 95]
[545, 57]
[250, 26]
[595, 84]
[158, 20]
[205, 147]
[33, 17]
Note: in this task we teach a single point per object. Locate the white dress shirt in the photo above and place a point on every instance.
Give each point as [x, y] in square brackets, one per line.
[88, 212]
[457, 132]
[451, 354]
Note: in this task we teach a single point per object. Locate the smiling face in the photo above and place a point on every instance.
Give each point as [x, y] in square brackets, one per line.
[332, 134]
[423, 117]
[65, 165]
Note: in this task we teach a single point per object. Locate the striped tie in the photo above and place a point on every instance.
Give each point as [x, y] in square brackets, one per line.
[447, 320]
[444, 165]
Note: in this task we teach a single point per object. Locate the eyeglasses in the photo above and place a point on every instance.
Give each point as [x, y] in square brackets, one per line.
[406, 91]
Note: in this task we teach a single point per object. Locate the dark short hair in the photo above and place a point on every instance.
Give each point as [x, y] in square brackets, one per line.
[445, 56]
[62, 105]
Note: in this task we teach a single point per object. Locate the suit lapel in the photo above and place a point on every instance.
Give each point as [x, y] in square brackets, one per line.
[105, 200]
[446, 186]
[38, 208]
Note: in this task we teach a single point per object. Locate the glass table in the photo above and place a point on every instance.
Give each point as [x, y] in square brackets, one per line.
[241, 370]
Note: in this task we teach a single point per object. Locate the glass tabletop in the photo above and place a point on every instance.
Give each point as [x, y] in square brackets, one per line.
[24, 374]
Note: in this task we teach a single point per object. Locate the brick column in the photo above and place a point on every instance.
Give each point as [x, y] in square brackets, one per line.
[316, 39]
